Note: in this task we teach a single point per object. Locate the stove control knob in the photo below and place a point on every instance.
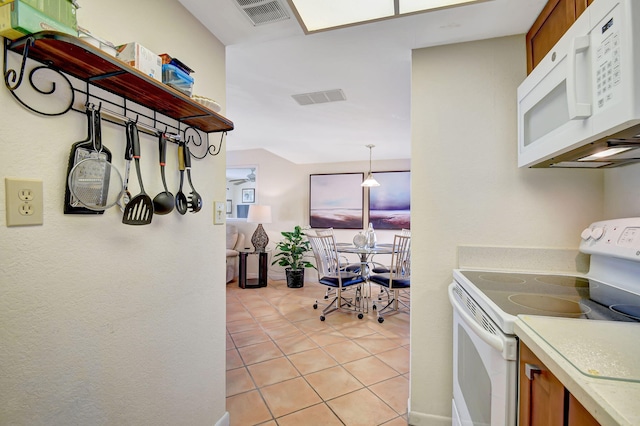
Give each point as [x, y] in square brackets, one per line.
[586, 234]
[597, 233]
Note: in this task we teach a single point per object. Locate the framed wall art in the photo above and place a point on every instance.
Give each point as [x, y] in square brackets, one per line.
[248, 195]
[390, 203]
[336, 201]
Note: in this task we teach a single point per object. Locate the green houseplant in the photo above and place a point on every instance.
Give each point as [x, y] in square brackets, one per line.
[291, 254]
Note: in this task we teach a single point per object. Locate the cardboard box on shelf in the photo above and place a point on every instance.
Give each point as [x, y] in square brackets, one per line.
[17, 19]
[141, 58]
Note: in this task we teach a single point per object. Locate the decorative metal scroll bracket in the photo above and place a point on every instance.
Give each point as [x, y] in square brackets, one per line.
[12, 74]
[199, 146]
[13, 81]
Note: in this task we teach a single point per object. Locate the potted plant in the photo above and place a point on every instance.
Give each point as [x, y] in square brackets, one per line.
[291, 255]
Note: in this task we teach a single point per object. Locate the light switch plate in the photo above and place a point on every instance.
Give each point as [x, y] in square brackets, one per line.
[24, 203]
[219, 212]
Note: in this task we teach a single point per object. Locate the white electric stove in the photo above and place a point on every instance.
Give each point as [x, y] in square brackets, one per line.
[486, 304]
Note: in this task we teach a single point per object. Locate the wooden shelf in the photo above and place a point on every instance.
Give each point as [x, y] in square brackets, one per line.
[79, 59]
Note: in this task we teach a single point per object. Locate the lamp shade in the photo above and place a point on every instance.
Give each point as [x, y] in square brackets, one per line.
[259, 214]
[370, 181]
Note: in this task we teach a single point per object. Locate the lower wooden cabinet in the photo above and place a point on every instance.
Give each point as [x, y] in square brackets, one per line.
[544, 401]
[578, 415]
[541, 393]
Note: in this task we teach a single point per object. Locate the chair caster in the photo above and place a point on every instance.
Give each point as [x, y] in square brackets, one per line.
[374, 307]
[360, 316]
[326, 297]
[322, 318]
[380, 320]
[315, 306]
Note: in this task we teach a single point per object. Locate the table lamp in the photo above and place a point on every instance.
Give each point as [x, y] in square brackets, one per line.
[259, 214]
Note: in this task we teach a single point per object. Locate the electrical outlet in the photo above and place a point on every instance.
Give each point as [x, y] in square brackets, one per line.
[24, 201]
[219, 212]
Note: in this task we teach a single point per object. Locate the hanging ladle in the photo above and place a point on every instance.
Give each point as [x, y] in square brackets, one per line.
[163, 202]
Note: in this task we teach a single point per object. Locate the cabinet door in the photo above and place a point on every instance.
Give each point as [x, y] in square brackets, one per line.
[554, 20]
[541, 396]
[581, 5]
[578, 415]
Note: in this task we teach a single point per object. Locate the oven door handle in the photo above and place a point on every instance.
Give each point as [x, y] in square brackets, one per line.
[486, 337]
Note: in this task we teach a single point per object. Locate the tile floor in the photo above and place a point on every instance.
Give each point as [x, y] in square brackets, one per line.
[286, 367]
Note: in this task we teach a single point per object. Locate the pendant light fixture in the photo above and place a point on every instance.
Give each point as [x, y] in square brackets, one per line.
[370, 181]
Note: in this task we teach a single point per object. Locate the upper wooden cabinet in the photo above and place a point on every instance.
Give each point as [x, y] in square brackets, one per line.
[554, 20]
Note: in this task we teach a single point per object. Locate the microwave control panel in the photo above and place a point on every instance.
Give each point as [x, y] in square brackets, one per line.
[605, 39]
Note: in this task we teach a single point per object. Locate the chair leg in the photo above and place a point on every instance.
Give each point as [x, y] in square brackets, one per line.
[394, 303]
[339, 302]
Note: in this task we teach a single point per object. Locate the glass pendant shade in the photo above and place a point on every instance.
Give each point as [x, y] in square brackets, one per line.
[370, 180]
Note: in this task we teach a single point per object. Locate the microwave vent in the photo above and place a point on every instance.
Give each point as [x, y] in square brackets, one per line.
[262, 12]
[575, 158]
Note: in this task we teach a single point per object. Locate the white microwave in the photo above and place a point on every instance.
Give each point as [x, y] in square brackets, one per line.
[580, 107]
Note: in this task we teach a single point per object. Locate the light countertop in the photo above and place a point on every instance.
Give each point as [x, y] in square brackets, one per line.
[597, 361]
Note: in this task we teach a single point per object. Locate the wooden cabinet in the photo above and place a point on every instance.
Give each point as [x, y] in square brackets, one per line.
[544, 401]
[541, 393]
[554, 20]
[578, 415]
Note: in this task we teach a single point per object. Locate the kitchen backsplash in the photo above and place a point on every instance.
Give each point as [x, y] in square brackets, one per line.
[523, 259]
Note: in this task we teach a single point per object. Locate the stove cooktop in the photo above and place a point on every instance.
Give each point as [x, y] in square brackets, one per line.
[504, 295]
[610, 291]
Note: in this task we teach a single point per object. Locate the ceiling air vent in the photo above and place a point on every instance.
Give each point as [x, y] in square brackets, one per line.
[320, 97]
[262, 12]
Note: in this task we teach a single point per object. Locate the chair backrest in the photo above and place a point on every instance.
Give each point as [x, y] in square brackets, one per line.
[327, 231]
[326, 255]
[401, 258]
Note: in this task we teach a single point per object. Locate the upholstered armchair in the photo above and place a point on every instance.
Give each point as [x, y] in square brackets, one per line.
[235, 241]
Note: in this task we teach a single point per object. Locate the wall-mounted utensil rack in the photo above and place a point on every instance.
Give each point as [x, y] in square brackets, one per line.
[66, 54]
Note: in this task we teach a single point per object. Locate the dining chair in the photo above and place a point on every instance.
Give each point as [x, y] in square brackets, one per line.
[379, 268]
[344, 261]
[346, 285]
[397, 281]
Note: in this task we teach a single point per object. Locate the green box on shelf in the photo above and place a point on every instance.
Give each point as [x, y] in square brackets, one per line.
[18, 18]
[63, 11]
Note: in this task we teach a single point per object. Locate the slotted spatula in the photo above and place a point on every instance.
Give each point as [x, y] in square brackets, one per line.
[139, 210]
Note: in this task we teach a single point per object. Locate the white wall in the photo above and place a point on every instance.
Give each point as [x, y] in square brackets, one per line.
[467, 190]
[104, 323]
[622, 196]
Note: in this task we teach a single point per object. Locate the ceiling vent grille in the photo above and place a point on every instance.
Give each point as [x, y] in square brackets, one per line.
[262, 12]
[320, 97]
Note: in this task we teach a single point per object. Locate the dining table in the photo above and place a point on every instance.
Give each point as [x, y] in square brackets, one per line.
[365, 253]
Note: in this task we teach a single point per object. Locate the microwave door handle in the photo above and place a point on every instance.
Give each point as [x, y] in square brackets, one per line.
[487, 337]
[576, 110]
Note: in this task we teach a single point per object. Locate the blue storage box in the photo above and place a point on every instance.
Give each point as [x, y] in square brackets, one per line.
[176, 78]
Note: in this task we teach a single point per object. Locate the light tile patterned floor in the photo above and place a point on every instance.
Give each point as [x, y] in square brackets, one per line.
[286, 367]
